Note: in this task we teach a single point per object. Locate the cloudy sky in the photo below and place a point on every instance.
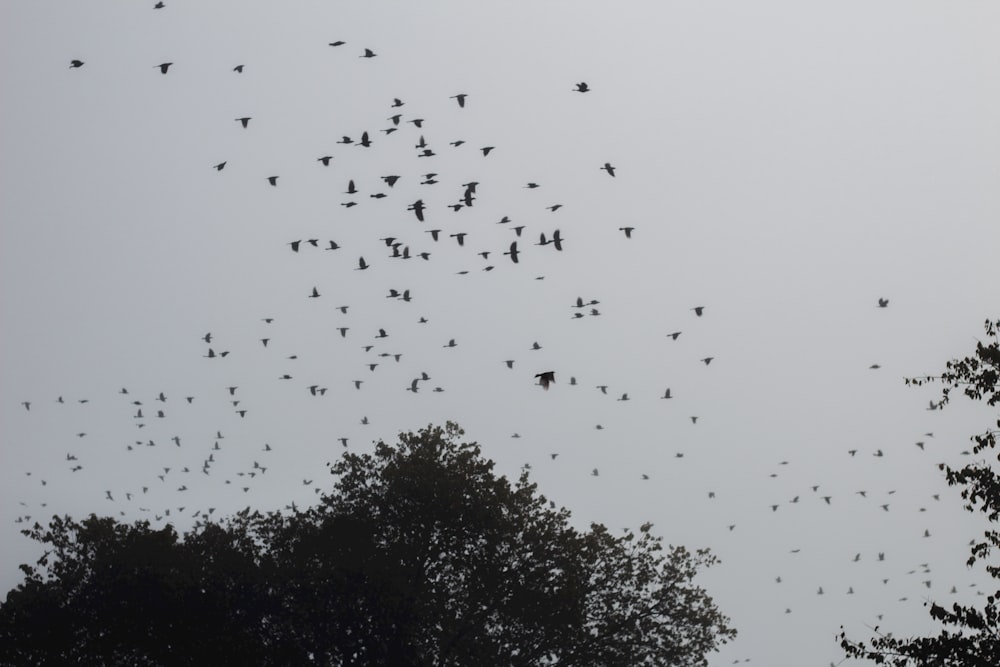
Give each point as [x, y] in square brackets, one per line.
[783, 164]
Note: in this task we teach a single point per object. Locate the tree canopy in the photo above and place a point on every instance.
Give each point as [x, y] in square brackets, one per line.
[969, 636]
[419, 555]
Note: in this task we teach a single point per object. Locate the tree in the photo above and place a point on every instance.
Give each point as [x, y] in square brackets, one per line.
[969, 636]
[420, 555]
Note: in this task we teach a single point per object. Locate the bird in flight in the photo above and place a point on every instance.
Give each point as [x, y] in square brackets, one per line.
[513, 252]
[325, 160]
[163, 67]
[338, 43]
[238, 69]
[698, 310]
[628, 231]
[75, 64]
[582, 87]
[609, 168]
[883, 303]
[273, 180]
[220, 166]
[245, 120]
[460, 98]
[546, 378]
[368, 54]
[362, 265]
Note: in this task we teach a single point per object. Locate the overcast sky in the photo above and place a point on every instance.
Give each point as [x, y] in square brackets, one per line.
[785, 165]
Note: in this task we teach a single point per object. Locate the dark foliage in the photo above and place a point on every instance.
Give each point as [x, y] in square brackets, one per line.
[419, 555]
[969, 637]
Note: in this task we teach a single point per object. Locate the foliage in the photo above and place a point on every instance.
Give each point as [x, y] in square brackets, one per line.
[969, 636]
[420, 555]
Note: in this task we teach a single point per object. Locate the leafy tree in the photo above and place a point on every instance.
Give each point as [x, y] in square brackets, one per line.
[420, 555]
[969, 636]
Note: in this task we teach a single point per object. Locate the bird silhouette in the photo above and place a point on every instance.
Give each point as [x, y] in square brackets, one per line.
[460, 98]
[163, 67]
[545, 379]
[362, 265]
[238, 69]
[608, 168]
[245, 120]
[582, 87]
[220, 166]
[883, 303]
[273, 180]
[75, 64]
[368, 54]
[698, 310]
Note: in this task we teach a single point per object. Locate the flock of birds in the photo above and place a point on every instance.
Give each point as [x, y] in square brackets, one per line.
[435, 221]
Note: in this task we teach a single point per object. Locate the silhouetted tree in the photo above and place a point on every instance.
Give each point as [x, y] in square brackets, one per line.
[970, 636]
[420, 555]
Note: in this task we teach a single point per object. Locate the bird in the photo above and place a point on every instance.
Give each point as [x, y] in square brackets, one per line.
[245, 120]
[75, 64]
[608, 168]
[315, 294]
[325, 160]
[368, 54]
[362, 265]
[582, 87]
[418, 209]
[460, 98]
[338, 43]
[513, 252]
[707, 360]
[674, 335]
[628, 231]
[220, 166]
[698, 310]
[883, 303]
[666, 394]
[545, 379]
[486, 150]
[273, 180]
[163, 67]
[365, 141]
[238, 69]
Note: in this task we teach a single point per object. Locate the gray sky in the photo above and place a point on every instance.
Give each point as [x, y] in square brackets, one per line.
[784, 164]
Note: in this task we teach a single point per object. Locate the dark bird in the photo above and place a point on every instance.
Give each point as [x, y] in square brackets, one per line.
[220, 166]
[338, 43]
[163, 67]
[351, 190]
[419, 122]
[273, 180]
[418, 209]
[628, 231]
[159, 5]
[666, 394]
[451, 343]
[345, 140]
[608, 168]
[486, 150]
[674, 335]
[245, 120]
[238, 69]
[74, 64]
[364, 140]
[362, 265]
[460, 237]
[582, 87]
[396, 102]
[368, 54]
[315, 294]
[707, 360]
[434, 233]
[325, 160]
[883, 303]
[545, 379]
[557, 240]
[513, 252]
[460, 98]
[390, 180]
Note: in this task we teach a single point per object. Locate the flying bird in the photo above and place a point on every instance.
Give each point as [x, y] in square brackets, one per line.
[238, 69]
[362, 265]
[273, 180]
[245, 120]
[628, 231]
[220, 166]
[545, 379]
[883, 303]
[163, 67]
[460, 98]
[582, 87]
[75, 64]
[608, 168]
[698, 310]
[368, 54]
